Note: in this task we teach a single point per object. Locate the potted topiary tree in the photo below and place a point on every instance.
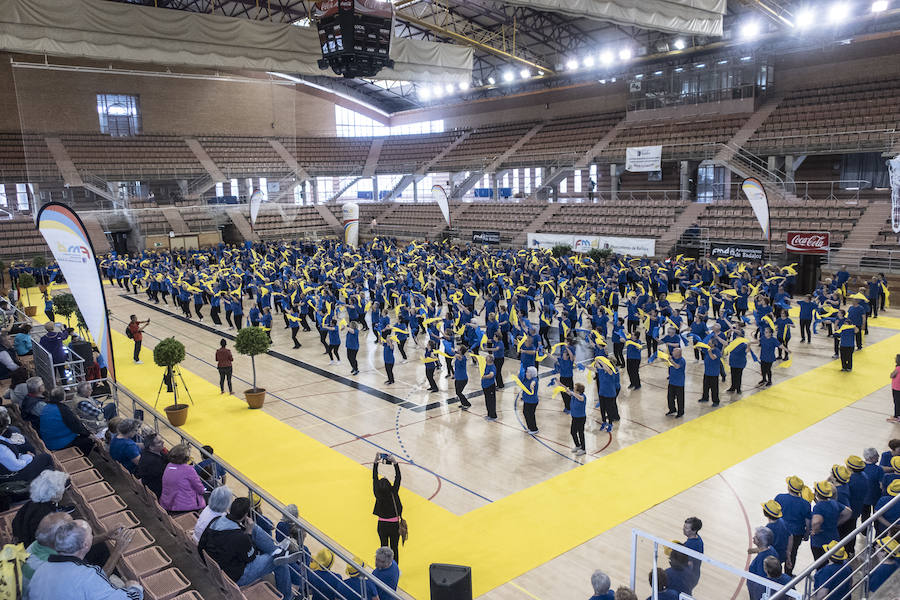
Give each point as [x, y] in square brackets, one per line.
[561, 250]
[65, 305]
[168, 354]
[26, 281]
[251, 341]
[39, 263]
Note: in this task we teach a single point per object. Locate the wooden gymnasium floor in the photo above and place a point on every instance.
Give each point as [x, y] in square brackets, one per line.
[531, 520]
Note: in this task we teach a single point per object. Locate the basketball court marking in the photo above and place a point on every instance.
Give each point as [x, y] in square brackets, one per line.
[519, 532]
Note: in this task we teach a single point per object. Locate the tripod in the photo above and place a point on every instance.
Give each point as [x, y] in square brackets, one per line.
[170, 382]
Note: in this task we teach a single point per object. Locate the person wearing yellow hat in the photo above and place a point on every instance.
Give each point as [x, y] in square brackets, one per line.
[887, 455]
[827, 516]
[891, 475]
[324, 582]
[889, 555]
[858, 486]
[773, 513]
[360, 585]
[891, 516]
[835, 579]
[796, 513]
[840, 479]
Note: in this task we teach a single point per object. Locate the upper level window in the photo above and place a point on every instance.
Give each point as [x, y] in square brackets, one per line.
[352, 124]
[120, 115]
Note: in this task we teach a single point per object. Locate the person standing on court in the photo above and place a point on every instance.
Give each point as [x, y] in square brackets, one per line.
[137, 334]
[737, 361]
[796, 514]
[895, 389]
[712, 368]
[387, 346]
[675, 391]
[388, 507]
[633, 360]
[530, 399]
[224, 361]
[351, 340]
[827, 515]
[564, 365]
[489, 387]
[691, 531]
[460, 376]
[578, 412]
[847, 335]
[767, 347]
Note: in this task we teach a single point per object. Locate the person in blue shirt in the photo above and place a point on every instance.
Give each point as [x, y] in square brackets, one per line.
[565, 367]
[608, 386]
[386, 569]
[352, 342]
[858, 484]
[691, 531]
[387, 353]
[763, 548]
[857, 316]
[578, 412]
[489, 387]
[601, 585]
[633, 360]
[460, 376]
[847, 333]
[333, 338]
[783, 326]
[265, 321]
[324, 584]
[835, 579]
[432, 362]
[888, 555]
[712, 367]
[530, 399]
[48, 307]
[356, 585]
[796, 514]
[772, 567]
[873, 474]
[679, 576]
[498, 350]
[662, 587]
[675, 390]
[619, 338]
[773, 513]
[827, 515]
[767, 346]
[737, 362]
[885, 521]
[806, 315]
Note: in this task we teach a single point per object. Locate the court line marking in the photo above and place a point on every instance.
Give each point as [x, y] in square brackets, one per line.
[523, 590]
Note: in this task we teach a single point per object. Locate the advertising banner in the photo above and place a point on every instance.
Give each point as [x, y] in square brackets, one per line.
[756, 194]
[808, 242]
[67, 238]
[738, 251]
[643, 159]
[350, 221]
[584, 243]
[486, 237]
[548, 240]
[443, 201]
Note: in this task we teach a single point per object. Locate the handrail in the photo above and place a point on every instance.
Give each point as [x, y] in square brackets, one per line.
[850, 538]
[383, 590]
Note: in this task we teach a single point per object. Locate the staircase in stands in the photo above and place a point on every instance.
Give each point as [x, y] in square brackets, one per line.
[863, 235]
[688, 217]
[472, 180]
[406, 180]
[535, 226]
[242, 224]
[563, 171]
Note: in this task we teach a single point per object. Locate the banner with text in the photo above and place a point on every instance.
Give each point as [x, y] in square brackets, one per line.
[67, 238]
[548, 240]
[738, 251]
[808, 242]
[585, 243]
[486, 237]
[643, 159]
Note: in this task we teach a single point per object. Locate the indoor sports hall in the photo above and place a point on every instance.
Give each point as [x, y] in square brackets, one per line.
[429, 299]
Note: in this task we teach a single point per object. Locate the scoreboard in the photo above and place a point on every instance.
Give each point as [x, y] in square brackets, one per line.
[355, 36]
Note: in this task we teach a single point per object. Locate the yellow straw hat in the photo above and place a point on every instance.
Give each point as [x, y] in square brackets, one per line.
[840, 554]
[772, 509]
[351, 570]
[825, 489]
[795, 484]
[323, 560]
[841, 473]
[856, 463]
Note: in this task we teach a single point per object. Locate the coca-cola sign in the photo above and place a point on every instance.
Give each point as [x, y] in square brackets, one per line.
[808, 242]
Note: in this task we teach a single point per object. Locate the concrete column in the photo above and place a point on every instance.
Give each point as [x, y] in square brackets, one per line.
[375, 188]
[772, 163]
[789, 167]
[314, 192]
[685, 181]
[613, 181]
[495, 186]
[415, 187]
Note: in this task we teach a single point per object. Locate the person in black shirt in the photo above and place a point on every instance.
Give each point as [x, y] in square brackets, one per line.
[152, 464]
[388, 507]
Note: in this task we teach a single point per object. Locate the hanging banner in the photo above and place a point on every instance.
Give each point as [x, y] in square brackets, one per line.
[894, 173]
[256, 199]
[443, 200]
[548, 240]
[486, 237]
[619, 245]
[67, 238]
[756, 194]
[808, 242]
[643, 159]
[738, 251]
[350, 220]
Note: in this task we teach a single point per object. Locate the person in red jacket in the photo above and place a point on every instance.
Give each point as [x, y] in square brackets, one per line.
[134, 327]
[224, 360]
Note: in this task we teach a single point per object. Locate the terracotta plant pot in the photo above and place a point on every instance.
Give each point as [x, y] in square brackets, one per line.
[177, 414]
[31, 310]
[255, 398]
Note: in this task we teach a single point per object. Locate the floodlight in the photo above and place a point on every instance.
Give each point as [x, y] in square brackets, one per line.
[491, 81]
[524, 73]
[508, 76]
[879, 6]
[424, 93]
[625, 53]
[463, 86]
[750, 30]
[805, 18]
[572, 64]
[588, 61]
[606, 57]
[679, 44]
[449, 88]
[437, 91]
[838, 13]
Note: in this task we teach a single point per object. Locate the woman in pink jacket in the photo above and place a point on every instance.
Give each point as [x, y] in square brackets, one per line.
[182, 489]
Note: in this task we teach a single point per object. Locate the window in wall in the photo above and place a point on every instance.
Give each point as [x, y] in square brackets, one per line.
[22, 193]
[264, 188]
[538, 172]
[564, 186]
[577, 181]
[710, 183]
[298, 193]
[220, 190]
[593, 174]
[120, 114]
[515, 185]
[527, 181]
[250, 188]
[349, 123]
[235, 190]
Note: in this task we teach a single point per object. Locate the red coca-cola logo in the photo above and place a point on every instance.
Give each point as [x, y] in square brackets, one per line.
[808, 242]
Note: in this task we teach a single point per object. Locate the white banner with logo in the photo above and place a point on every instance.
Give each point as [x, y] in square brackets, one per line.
[756, 194]
[643, 159]
[350, 221]
[585, 243]
[68, 240]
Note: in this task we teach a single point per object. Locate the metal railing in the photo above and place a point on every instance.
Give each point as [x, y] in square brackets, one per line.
[127, 403]
[670, 99]
[840, 141]
[66, 374]
[865, 564]
[865, 259]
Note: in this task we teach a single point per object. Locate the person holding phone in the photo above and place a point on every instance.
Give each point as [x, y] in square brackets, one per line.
[388, 507]
[134, 327]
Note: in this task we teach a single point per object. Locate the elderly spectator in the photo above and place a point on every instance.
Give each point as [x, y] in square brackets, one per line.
[42, 546]
[16, 464]
[60, 428]
[52, 342]
[8, 360]
[122, 446]
[763, 548]
[244, 553]
[600, 582]
[18, 389]
[152, 463]
[182, 490]
[45, 493]
[66, 575]
[219, 501]
[92, 413]
[34, 401]
[14, 435]
[23, 342]
[324, 583]
[625, 593]
[387, 569]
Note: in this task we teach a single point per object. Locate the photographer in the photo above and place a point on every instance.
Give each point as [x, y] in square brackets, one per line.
[388, 507]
